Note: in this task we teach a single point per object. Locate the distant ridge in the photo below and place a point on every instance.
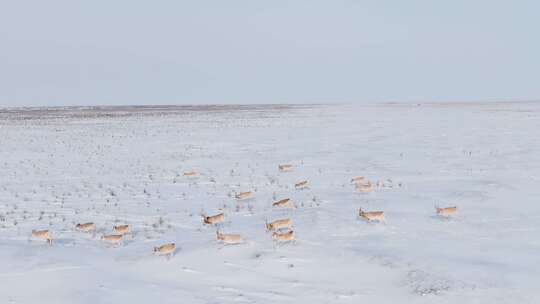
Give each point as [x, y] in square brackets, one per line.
[30, 113]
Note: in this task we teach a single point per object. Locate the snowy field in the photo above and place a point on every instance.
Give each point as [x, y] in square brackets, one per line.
[125, 166]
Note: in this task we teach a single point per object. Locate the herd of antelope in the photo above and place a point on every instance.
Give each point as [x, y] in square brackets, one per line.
[281, 229]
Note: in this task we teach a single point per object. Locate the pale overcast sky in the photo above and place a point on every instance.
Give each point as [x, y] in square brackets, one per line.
[191, 52]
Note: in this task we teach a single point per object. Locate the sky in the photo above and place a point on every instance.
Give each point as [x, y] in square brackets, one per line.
[243, 52]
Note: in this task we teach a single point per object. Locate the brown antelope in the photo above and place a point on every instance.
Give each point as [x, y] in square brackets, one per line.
[371, 216]
[42, 234]
[448, 211]
[243, 195]
[278, 224]
[214, 219]
[364, 188]
[357, 179]
[167, 249]
[283, 236]
[229, 238]
[86, 227]
[191, 173]
[113, 238]
[121, 229]
[301, 185]
[285, 168]
[286, 202]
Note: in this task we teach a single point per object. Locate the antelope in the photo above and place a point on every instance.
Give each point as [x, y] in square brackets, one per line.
[229, 238]
[86, 227]
[283, 236]
[214, 219]
[191, 173]
[301, 185]
[43, 234]
[448, 211]
[278, 224]
[121, 229]
[285, 168]
[372, 215]
[357, 179]
[364, 188]
[166, 249]
[113, 238]
[283, 203]
[243, 195]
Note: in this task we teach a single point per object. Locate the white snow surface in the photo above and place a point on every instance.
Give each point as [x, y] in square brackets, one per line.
[60, 170]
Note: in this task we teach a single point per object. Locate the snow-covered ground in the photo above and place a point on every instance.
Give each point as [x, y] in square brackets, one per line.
[63, 167]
